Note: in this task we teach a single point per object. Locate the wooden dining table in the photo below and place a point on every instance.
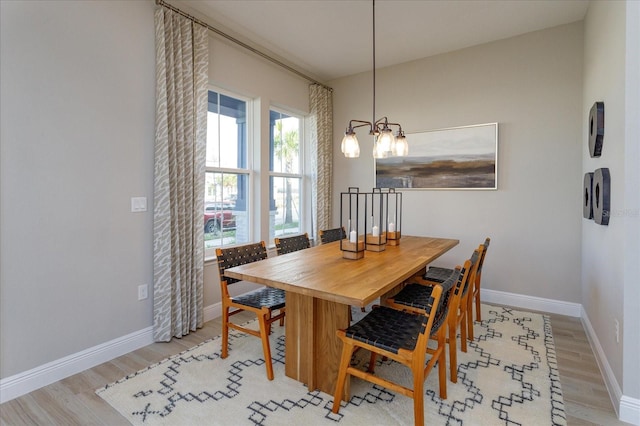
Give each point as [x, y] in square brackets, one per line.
[321, 286]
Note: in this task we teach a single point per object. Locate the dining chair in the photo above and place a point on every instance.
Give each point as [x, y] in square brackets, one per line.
[290, 244]
[398, 335]
[329, 235]
[436, 274]
[413, 297]
[262, 302]
[475, 296]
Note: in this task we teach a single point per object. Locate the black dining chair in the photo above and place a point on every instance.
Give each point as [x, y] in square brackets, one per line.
[262, 302]
[398, 335]
[286, 245]
[334, 234]
[413, 297]
[474, 297]
[436, 274]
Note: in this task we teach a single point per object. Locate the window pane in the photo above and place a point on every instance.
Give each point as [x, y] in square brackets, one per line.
[225, 209]
[226, 132]
[285, 206]
[285, 143]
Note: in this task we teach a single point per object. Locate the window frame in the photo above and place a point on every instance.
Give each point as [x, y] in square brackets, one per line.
[302, 163]
[249, 170]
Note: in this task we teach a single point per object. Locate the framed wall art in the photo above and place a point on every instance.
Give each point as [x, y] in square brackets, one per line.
[453, 158]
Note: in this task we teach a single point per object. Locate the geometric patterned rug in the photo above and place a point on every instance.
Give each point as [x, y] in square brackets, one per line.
[508, 376]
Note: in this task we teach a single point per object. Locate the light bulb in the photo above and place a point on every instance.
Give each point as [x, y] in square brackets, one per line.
[350, 147]
[386, 140]
[402, 147]
[378, 151]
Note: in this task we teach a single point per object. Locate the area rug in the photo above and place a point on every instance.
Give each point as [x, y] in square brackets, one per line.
[508, 376]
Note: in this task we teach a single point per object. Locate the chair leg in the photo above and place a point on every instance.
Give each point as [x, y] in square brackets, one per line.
[470, 317]
[463, 328]
[418, 395]
[267, 318]
[225, 332]
[372, 363]
[264, 336]
[345, 359]
[442, 363]
[478, 313]
[453, 355]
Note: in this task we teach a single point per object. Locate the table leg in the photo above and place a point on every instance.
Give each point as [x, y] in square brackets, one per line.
[312, 349]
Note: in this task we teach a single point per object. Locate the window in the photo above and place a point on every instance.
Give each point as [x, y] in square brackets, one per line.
[227, 177]
[285, 177]
[236, 208]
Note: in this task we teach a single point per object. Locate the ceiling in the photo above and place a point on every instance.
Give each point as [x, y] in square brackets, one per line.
[328, 39]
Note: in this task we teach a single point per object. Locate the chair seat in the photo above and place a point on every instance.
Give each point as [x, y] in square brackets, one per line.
[419, 296]
[437, 274]
[388, 329]
[272, 298]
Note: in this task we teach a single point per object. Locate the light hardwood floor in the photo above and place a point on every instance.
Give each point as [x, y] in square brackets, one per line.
[72, 401]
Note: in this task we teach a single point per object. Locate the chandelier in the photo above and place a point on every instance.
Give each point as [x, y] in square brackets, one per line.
[385, 144]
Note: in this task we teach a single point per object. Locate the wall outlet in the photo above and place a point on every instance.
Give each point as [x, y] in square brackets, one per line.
[617, 326]
[143, 292]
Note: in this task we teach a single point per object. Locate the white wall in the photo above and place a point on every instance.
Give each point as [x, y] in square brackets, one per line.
[610, 254]
[77, 142]
[531, 85]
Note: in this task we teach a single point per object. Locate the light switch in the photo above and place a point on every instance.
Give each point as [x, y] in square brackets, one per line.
[138, 204]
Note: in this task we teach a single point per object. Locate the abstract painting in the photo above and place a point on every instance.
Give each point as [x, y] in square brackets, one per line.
[454, 158]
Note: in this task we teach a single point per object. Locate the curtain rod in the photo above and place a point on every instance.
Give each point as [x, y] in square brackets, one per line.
[240, 43]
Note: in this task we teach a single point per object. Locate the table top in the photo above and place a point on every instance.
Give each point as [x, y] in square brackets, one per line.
[322, 272]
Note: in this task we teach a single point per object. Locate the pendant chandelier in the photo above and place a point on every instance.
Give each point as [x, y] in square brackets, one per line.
[385, 144]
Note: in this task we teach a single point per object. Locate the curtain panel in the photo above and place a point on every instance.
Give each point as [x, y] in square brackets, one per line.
[180, 153]
[321, 130]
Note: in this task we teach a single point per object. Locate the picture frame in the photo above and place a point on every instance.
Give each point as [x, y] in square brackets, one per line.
[455, 158]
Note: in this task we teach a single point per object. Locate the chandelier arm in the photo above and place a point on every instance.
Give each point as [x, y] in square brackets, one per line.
[362, 123]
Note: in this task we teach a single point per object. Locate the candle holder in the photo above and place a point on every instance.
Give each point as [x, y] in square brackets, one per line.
[353, 215]
[376, 210]
[394, 217]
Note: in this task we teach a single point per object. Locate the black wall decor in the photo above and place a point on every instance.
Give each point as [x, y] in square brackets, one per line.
[596, 129]
[587, 201]
[601, 196]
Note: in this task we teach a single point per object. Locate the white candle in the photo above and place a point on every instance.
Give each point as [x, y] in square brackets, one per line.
[374, 231]
[353, 237]
[392, 227]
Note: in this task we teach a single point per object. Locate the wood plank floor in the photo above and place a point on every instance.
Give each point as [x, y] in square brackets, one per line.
[72, 401]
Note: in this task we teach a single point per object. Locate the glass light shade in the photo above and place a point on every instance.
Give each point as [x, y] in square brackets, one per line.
[402, 147]
[378, 151]
[386, 140]
[350, 147]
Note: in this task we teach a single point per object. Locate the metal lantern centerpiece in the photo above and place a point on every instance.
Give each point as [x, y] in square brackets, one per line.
[353, 214]
[394, 218]
[376, 209]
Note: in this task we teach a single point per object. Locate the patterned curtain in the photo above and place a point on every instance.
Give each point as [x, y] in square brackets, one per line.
[180, 152]
[321, 122]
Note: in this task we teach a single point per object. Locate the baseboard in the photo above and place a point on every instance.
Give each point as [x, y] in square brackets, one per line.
[28, 381]
[531, 302]
[212, 311]
[627, 408]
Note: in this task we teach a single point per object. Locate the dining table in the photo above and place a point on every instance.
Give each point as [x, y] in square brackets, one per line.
[321, 286]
